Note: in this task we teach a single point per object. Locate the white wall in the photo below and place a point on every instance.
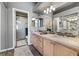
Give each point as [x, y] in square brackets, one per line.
[56, 24]
[33, 29]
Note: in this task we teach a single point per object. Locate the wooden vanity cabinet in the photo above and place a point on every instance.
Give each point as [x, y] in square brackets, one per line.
[37, 42]
[40, 44]
[48, 47]
[60, 50]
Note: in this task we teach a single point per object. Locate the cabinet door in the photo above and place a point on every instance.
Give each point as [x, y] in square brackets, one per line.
[0, 26]
[34, 40]
[48, 48]
[61, 50]
[51, 48]
[4, 42]
[40, 44]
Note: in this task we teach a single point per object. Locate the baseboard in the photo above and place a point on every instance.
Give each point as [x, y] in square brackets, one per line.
[6, 49]
[10, 48]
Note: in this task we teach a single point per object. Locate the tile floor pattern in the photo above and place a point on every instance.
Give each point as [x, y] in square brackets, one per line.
[21, 43]
[22, 49]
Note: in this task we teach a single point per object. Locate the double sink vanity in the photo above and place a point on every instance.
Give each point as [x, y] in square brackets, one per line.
[54, 44]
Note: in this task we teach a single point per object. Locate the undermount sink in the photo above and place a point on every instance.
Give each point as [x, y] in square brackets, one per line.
[66, 34]
[43, 32]
[46, 32]
[57, 33]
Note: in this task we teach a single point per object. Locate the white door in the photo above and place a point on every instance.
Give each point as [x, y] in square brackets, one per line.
[3, 27]
[0, 26]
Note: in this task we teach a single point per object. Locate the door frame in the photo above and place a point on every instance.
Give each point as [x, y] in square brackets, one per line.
[14, 25]
[0, 27]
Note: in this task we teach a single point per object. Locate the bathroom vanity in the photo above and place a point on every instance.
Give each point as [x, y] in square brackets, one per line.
[55, 45]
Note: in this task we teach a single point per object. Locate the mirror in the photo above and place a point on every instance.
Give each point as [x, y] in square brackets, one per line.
[37, 22]
[67, 24]
[70, 23]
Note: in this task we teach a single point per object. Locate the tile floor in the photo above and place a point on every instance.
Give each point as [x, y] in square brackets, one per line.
[21, 43]
[22, 49]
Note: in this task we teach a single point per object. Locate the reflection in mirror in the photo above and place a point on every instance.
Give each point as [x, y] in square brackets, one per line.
[70, 23]
[66, 24]
[57, 24]
[37, 22]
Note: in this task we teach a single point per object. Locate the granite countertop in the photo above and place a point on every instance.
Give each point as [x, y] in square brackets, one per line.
[72, 42]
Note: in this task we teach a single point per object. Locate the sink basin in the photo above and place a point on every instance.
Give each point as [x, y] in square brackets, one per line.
[44, 32]
[66, 34]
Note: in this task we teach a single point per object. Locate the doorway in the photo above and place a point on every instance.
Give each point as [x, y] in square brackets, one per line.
[20, 27]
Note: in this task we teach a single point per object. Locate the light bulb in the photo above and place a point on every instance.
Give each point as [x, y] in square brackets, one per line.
[47, 9]
[47, 12]
[44, 11]
[52, 8]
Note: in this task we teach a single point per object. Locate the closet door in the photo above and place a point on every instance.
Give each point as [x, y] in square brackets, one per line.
[0, 26]
[3, 26]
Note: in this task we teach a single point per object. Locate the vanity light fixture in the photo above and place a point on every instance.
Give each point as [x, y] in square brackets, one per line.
[33, 18]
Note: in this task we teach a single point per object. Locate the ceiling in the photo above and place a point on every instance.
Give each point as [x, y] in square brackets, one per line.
[21, 14]
[60, 6]
[35, 3]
